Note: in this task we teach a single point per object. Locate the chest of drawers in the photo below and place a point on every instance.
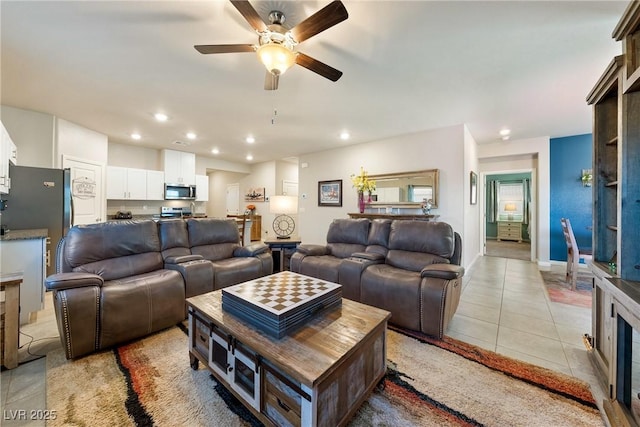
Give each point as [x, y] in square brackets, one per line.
[510, 230]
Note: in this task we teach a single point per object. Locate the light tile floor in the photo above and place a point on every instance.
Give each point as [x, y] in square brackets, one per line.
[504, 308]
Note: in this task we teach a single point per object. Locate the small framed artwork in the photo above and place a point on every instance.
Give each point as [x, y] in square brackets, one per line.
[254, 195]
[474, 187]
[330, 193]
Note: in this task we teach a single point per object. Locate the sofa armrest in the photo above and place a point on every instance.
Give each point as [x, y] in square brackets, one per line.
[369, 256]
[251, 250]
[61, 281]
[313, 250]
[182, 258]
[443, 271]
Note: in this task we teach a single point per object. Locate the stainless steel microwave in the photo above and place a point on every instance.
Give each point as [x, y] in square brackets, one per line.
[179, 192]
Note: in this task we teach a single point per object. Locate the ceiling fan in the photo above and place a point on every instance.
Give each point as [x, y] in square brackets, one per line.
[276, 44]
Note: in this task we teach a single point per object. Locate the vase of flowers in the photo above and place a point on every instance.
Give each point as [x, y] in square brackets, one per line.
[251, 210]
[362, 183]
[361, 201]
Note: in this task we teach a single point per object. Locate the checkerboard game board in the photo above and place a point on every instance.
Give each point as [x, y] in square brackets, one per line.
[280, 302]
[280, 292]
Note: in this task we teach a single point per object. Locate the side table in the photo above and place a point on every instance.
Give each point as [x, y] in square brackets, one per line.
[10, 308]
[281, 251]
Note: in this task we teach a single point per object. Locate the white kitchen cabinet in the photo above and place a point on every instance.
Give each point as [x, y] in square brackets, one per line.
[8, 153]
[29, 257]
[202, 188]
[179, 167]
[126, 183]
[155, 185]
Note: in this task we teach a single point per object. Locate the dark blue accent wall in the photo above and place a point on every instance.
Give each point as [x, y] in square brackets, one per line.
[569, 199]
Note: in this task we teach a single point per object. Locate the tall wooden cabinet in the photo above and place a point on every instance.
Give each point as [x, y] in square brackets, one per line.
[616, 220]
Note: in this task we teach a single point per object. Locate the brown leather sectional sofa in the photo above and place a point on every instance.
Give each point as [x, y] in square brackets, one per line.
[118, 281]
[410, 268]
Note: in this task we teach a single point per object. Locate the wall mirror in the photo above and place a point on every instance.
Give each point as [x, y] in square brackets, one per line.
[406, 188]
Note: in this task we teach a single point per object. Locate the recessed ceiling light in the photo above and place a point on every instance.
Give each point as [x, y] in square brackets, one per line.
[136, 136]
[345, 135]
[250, 139]
[161, 117]
[191, 135]
[505, 132]
[215, 151]
[249, 157]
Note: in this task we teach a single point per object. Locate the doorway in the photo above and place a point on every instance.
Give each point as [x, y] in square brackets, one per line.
[509, 220]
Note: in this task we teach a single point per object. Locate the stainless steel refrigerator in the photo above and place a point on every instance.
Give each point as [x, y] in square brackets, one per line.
[39, 198]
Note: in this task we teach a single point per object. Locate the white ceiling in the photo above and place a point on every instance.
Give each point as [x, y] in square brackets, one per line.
[408, 66]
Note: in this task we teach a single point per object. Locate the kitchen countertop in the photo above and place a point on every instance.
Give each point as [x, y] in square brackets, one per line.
[35, 233]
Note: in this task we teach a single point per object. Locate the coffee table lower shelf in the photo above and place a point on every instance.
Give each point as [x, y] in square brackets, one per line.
[317, 376]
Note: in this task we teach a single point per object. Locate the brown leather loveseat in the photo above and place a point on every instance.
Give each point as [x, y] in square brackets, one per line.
[118, 281]
[410, 268]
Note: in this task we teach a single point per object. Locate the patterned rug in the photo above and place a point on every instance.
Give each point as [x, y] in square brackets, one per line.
[560, 291]
[428, 383]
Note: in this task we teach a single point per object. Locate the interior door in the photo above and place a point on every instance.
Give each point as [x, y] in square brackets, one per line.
[233, 199]
[86, 190]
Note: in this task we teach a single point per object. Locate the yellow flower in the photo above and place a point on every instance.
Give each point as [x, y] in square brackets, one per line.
[362, 183]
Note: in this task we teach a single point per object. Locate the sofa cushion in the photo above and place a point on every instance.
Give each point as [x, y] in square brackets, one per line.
[232, 271]
[435, 238]
[323, 267]
[378, 241]
[121, 267]
[113, 249]
[346, 236]
[394, 290]
[135, 306]
[413, 261]
[174, 239]
[214, 239]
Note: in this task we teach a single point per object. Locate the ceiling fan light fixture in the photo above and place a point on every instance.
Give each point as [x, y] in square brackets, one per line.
[276, 58]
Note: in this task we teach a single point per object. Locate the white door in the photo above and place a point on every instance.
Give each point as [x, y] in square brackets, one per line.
[86, 190]
[289, 188]
[233, 199]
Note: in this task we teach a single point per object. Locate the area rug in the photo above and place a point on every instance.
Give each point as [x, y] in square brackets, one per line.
[150, 382]
[560, 291]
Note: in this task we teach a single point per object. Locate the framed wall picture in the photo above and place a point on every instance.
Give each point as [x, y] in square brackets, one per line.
[330, 193]
[474, 187]
[254, 194]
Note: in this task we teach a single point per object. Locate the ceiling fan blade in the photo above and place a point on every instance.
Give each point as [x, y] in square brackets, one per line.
[250, 14]
[224, 48]
[318, 67]
[271, 81]
[325, 18]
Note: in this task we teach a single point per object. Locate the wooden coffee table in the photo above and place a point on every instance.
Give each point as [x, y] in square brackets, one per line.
[316, 376]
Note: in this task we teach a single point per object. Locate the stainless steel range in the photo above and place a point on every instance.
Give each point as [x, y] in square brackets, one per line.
[174, 212]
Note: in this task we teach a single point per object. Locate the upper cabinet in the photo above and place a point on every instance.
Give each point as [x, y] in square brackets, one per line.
[8, 153]
[202, 188]
[134, 184]
[126, 183]
[155, 185]
[179, 167]
[616, 156]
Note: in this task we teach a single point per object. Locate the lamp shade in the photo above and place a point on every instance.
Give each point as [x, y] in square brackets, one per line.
[276, 57]
[510, 207]
[283, 205]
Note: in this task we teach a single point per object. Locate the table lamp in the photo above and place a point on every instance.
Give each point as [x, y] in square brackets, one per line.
[510, 208]
[283, 206]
